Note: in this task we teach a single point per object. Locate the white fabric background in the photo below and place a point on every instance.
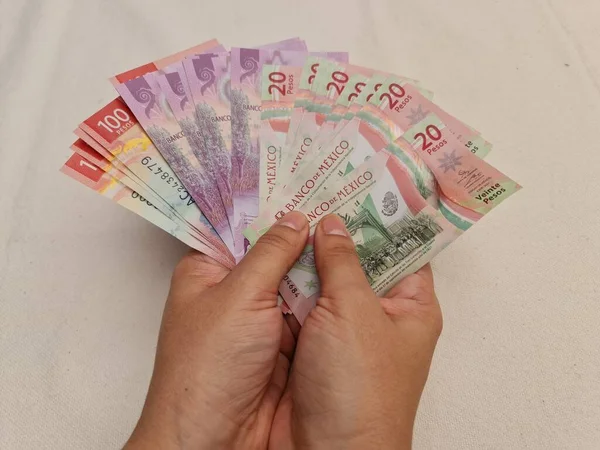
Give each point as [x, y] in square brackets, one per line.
[83, 281]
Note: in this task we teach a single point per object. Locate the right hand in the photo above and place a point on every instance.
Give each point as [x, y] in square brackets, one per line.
[361, 362]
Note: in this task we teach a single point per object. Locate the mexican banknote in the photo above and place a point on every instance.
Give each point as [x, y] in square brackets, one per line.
[246, 82]
[395, 229]
[214, 145]
[90, 175]
[146, 100]
[398, 121]
[116, 129]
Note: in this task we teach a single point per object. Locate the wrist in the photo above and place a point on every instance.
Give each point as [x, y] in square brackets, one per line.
[385, 433]
[169, 440]
[384, 441]
[159, 429]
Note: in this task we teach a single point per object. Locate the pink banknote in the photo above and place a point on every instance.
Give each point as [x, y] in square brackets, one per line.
[279, 86]
[246, 70]
[207, 81]
[146, 100]
[92, 151]
[117, 130]
[208, 46]
[103, 183]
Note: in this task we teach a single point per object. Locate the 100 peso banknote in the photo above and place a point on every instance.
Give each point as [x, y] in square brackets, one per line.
[88, 174]
[117, 130]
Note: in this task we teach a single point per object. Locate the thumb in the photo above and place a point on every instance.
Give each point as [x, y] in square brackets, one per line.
[273, 255]
[341, 276]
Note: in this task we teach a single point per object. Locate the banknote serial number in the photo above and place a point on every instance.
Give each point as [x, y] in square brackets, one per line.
[142, 199]
[168, 178]
[291, 286]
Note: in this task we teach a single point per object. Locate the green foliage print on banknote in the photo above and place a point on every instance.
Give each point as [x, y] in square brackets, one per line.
[393, 227]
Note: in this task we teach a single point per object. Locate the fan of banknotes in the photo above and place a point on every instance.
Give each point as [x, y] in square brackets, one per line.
[215, 145]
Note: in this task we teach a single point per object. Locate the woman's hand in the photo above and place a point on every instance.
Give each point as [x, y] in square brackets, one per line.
[361, 362]
[224, 353]
[224, 349]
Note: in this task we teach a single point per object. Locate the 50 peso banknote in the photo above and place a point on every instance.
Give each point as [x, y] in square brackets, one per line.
[209, 46]
[204, 82]
[207, 82]
[140, 87]
[192, 119]
[147, 101]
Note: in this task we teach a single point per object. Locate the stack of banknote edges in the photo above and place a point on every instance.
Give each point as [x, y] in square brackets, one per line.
[215, 145]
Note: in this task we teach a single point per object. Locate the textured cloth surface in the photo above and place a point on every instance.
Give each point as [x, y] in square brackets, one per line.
[83, 281]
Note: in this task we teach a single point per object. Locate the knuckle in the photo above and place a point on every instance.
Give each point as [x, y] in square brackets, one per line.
[436, 322]
[344, 251]
[276, 240]
[184, 266]
[194, 272]
[322, 317]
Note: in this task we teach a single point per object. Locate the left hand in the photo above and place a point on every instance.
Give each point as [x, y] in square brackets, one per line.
[224, 349]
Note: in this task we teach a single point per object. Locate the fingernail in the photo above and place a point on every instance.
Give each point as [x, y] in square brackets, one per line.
[333, 224]
[294, 220]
